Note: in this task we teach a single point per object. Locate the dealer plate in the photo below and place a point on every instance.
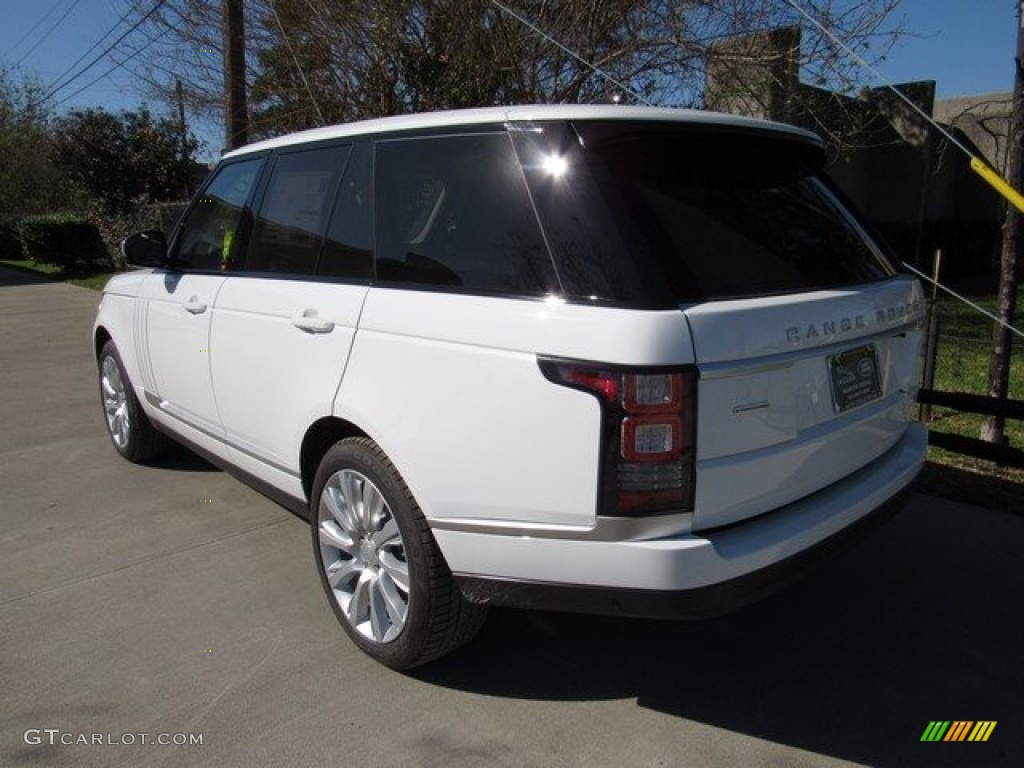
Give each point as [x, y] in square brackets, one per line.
[854, 377]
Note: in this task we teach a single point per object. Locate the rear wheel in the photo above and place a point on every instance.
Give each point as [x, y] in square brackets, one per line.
[384, 575]
[131, 432]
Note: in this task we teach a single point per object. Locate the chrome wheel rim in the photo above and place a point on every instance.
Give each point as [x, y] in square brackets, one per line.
[115, 403]
[363, 556]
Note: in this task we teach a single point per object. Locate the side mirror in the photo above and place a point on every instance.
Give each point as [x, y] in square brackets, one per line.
[145, 249]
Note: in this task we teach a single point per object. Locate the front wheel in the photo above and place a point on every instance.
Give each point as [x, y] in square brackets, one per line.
[379, 564]
[131, 432]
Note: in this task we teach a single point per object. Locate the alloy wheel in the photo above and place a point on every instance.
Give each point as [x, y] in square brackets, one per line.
[115, 403]
[363, 556]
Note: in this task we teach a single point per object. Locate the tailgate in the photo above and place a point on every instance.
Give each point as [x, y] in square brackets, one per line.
[799, 391]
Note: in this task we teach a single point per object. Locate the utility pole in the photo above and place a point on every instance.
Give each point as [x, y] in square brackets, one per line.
[235, 111]
[186, 166]
[1010, 263]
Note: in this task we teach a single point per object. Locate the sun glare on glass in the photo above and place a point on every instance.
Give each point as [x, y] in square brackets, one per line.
[556, 165]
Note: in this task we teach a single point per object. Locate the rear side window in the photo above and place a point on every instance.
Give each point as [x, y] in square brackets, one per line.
[454, 212]
[289, 230]
[348, 251]
[652, 215]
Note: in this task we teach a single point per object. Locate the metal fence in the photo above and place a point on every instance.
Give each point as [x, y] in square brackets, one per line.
[955, 400]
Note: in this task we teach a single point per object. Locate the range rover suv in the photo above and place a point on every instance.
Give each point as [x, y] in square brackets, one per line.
[608, 359]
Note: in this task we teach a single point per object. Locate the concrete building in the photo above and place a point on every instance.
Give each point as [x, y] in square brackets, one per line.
[911, 183]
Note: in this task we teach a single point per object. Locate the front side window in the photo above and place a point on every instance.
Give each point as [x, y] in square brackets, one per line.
[454, 212]
[290, 224]
[207, 239]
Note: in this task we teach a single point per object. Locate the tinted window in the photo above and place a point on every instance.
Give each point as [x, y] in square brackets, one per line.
[207, 239]
[651, 215]
[454, 211]
[348, 251]
[289, 230]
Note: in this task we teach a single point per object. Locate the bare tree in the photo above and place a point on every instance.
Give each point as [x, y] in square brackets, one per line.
[316, 61]
[1010, 263]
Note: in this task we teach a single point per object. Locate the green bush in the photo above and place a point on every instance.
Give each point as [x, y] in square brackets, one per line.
[10, 243]
[67, 241]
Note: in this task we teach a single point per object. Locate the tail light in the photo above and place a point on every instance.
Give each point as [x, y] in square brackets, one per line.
[648, 434]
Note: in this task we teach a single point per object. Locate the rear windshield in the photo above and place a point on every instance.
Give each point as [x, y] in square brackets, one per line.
[652, 215]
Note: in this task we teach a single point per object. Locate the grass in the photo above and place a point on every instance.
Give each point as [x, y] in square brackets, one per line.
[94, 280]
[965, 340]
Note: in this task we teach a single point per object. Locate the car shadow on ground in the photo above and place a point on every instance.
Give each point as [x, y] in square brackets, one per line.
[921, 622]
[178, 458]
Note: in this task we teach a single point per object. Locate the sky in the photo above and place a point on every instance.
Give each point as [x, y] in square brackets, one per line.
[966, 46]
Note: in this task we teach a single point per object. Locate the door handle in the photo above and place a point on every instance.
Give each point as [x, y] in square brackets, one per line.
[309, 321]
[195, 306]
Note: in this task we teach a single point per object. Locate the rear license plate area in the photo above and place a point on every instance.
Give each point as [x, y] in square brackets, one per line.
[854, 377]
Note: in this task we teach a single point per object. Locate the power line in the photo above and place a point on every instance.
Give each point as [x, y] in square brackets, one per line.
[117, 65]
[978, 166]
[572, 53]
[878, 76]
[49, 32]
[34, 27]
[96, 45]
[965, 300]
[58, 86]
[305, 82]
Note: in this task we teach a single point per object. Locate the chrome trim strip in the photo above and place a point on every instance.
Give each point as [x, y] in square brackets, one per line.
[156, 402]
[713, 371]
[604, 529]
[782, 360]
[748, 407]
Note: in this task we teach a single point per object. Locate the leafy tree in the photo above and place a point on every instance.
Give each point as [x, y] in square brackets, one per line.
[122, 160]
[29, 181]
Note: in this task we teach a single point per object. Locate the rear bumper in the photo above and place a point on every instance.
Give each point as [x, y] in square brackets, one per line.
[691, 575]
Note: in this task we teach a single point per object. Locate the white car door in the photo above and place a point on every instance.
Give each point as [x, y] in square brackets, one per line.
[284, 324]
[179, 303]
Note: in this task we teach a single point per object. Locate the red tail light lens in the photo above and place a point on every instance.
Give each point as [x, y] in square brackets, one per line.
[603, 384]
[648, 434]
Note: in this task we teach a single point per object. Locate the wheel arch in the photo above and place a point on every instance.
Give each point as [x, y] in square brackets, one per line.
[319, 438]
[100, 337]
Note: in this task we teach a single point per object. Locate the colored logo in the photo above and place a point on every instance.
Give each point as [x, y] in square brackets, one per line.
[958, 730]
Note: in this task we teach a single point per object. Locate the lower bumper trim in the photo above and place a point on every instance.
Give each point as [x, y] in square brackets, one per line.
[701, 602]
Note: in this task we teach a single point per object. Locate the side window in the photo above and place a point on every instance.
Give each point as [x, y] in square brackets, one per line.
[207, 237]
[348, 251]
[454, 211]
[289, 230]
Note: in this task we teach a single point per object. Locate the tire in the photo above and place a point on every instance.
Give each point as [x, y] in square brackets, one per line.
[385, 578]
[130, 430]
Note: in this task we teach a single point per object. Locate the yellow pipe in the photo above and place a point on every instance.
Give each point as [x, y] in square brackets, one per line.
[996, 182]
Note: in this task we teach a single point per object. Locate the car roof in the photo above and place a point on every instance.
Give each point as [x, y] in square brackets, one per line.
[490, 115]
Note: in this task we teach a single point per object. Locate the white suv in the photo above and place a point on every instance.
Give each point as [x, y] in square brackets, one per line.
[606, 359]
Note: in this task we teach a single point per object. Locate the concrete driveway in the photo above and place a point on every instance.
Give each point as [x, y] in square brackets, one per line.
[171, 600]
